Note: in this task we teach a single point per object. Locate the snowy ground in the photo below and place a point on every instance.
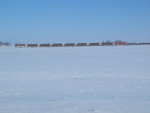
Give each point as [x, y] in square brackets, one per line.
[75, 80]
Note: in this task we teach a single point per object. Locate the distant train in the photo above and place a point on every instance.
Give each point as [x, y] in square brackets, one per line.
[107, 43]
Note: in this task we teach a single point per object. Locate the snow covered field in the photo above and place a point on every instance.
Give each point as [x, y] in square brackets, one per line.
[112, 79]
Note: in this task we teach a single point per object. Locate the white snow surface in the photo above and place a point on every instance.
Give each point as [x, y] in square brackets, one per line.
[112, 79]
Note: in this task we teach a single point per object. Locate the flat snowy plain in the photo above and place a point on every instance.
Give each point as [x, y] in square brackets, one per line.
[112, 79]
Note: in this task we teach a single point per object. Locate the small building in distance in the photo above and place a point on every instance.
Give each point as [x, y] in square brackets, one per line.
[1, 43]
[5, 44]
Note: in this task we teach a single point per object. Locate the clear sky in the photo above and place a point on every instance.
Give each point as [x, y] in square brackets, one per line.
[43, 21]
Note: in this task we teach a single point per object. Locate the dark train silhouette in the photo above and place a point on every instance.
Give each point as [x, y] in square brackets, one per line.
[44, 45]
[106, 43]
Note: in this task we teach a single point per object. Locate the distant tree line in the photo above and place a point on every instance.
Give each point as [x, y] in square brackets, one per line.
[5, 44]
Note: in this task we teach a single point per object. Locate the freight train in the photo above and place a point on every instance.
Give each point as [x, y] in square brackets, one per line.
[107, 43]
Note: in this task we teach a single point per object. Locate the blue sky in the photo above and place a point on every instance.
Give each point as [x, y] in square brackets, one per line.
[42, 21]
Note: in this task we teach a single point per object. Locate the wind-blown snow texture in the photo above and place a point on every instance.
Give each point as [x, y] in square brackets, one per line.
[112, 79]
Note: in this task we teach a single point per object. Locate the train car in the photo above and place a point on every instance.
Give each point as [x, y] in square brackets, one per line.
[44, 45]
[81, 44]
[133, 43]
[69, 44]
[57, 45]
[107, 43]
[32, 45]
[144, 43]
[94, 44]
[120, 43]
[20, 45]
